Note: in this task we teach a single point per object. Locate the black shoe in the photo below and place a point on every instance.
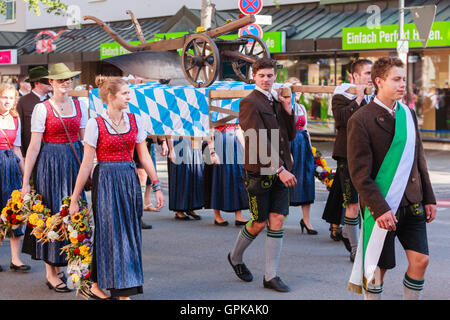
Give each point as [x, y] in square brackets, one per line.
[145, 226]
[241, 271]
[347, 244]
[184, 217]
[276, 284]
[21, 268]
[240, 223]
[62, 276]
[87, 293]
[222, 224]
[336, 233]
[308, 231]
[1, 269]
[194, 215]
[61, 287]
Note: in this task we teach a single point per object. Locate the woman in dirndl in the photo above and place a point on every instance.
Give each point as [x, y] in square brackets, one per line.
[303, 193]
[227, 187]
[116, 195]
[56, 164]
[11, 163]
[185, 166]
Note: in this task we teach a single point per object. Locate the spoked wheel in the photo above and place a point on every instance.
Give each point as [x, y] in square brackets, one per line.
[200, 60]
[255, 48]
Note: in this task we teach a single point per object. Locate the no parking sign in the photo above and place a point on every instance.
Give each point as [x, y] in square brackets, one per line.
[252, 29]
[250, 6]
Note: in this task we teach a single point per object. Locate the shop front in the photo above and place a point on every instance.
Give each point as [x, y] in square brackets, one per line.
[428, 74]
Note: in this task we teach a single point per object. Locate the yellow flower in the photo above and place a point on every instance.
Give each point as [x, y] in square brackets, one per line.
[73, 240]
[16, 195]
[38, 207]
[84, 250]
[76, 218]
[4, 212]
[87, 260]
[314, 151]
[75, 278]
[33, 219]
[40, 223]
[328, 169]
[323, 162]
[82, 227]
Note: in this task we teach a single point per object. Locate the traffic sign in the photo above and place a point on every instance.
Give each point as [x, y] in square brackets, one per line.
[252, 29]
[250, 7]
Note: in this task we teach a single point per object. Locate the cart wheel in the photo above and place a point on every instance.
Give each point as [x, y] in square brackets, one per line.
[255, 48]
[200, 60]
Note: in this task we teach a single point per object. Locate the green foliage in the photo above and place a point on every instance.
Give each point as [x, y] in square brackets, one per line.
[51, 6]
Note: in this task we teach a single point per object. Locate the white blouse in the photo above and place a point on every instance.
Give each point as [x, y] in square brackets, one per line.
[39, 116]
[91, 133]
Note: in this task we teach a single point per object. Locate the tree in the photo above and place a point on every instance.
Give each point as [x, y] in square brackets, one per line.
[52, 6]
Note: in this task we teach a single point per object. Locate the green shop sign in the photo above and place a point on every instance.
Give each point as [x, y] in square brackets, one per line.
[275, 42]
[385, 37]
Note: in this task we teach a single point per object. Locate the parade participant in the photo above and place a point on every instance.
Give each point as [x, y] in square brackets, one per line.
[388, 168]
[185, 168]
[11, 162]
[59, 123]
[303, 193]
[116, 195]
[144, 179]
[262, 114]
[344, 105]
[40, 90]
[148, 206]
[23, 86]
[227, 188]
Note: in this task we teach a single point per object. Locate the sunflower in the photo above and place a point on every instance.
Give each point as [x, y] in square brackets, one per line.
[76, 218]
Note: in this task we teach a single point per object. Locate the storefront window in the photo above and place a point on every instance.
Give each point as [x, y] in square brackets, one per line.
[433, 94]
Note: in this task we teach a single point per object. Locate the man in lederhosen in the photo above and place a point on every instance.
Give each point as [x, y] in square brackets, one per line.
[268, 124]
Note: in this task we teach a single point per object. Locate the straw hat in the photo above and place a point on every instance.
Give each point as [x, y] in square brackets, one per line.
[60, 71]
[36, 74]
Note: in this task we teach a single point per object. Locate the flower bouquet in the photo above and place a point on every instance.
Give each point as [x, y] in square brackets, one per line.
[19, 211]
[79, 250]
[12, 216]
[321, 171]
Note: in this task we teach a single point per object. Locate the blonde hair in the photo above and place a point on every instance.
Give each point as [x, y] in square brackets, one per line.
[107, 85]
[7, 86]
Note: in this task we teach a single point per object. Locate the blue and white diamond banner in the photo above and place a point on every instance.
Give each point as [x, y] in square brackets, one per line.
[174, 110]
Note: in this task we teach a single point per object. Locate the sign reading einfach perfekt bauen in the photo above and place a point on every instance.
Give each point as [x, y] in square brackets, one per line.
[385, 37]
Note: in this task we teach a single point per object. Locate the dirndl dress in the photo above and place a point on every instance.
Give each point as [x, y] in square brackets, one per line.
[227, 188]
[56, 173]
[186, 177]
[303, 170]
[117, 207]
[10, 176]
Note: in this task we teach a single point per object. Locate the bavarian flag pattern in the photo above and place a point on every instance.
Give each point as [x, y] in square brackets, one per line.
[391, 179]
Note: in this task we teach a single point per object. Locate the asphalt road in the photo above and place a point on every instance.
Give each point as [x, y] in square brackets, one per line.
[188, 259]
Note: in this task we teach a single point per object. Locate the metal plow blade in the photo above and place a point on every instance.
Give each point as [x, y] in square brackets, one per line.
[151, 65]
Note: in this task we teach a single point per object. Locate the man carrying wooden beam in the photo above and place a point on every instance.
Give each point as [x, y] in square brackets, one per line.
[344, 105]
[268, 123]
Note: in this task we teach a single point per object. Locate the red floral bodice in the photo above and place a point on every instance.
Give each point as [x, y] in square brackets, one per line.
[110, 147]
[54, 130]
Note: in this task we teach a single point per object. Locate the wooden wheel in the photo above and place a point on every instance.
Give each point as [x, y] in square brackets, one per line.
[200, 60]
[255, 48]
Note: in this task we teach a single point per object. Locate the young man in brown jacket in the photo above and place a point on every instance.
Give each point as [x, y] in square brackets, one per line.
[268, 123]
[374, 136]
